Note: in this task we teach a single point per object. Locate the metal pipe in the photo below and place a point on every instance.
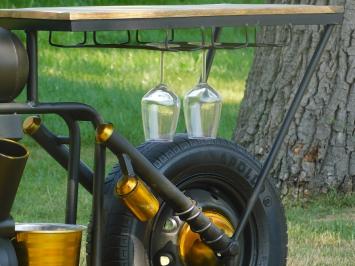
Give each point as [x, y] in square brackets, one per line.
[184, 207]
[212, 52]
[265, 170]
[77, 111]
[73, 171]
[97, 205]
[32, 51]
[59, 152]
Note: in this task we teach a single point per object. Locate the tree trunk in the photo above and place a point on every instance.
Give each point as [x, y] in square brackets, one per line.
[319, 150]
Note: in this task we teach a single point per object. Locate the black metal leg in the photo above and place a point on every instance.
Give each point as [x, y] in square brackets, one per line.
[98, 199]
[32, 50]
[265, 170]
[212, 52]
[73, 171]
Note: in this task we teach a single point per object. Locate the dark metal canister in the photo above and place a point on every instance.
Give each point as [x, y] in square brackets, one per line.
[14, 66]
[13, 157]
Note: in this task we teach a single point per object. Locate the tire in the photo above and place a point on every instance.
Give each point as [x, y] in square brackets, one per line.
[220, 174]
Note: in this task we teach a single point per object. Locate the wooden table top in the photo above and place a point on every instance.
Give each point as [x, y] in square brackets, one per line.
[162, 11]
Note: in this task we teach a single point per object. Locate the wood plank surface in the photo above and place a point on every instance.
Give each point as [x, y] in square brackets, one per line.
[163, 11]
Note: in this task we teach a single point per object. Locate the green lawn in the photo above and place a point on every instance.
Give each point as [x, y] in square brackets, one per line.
[321, 232]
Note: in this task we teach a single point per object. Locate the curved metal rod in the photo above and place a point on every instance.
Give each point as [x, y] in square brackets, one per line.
[73, 170]
[79, 44]
[173, 46]
[77, 111]
[96, 42]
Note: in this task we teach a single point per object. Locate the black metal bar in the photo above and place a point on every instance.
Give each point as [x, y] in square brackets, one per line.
[184, 207]
[60, 152]
[77, 111]
[63, 140]
[73, 171]
[32, 51]
[212, 52]
[284, 129]
[98, 200]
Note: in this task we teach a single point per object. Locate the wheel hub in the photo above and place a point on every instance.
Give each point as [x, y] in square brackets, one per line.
[173, 243]
[193, 251]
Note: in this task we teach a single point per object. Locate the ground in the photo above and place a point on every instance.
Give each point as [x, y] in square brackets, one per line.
[321, 230]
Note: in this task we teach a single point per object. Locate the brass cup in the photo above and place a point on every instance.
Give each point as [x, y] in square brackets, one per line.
[48, 244]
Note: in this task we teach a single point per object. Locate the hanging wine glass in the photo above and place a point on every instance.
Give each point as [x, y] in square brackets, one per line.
[202, 107]
[160, 111]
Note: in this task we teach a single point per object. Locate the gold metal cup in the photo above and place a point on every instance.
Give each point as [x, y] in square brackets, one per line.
[48, 244]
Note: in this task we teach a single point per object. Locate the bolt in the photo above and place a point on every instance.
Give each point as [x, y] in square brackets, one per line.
[170, 225]
[267, 201]
[165, 260]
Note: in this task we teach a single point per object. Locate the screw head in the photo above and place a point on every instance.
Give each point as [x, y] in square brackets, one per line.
[170, 225]
[165, 260]
[267, 201]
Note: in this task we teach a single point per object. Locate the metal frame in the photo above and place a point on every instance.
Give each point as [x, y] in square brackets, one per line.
[281, 134]
[73, 171]
[170, 44]
[74, 112]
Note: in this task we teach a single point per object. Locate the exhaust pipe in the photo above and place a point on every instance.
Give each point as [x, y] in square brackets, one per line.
[13, 157]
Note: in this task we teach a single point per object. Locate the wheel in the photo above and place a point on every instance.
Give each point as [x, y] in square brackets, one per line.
[217, 174]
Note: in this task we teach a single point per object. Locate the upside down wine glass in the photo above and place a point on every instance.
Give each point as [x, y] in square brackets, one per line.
[160, 111]
[202, 108]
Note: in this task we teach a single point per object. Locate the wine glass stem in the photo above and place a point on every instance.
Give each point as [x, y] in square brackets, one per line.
[162, 67]
[204, 67]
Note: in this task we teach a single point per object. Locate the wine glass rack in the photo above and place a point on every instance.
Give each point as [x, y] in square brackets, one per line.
[133, 41]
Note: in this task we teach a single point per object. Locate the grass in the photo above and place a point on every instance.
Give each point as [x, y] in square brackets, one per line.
[321, 232]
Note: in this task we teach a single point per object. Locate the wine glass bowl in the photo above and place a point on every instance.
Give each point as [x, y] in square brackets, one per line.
[160, 114]
[202, 108]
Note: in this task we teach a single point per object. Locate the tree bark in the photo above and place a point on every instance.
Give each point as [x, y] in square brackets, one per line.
[319, 151]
